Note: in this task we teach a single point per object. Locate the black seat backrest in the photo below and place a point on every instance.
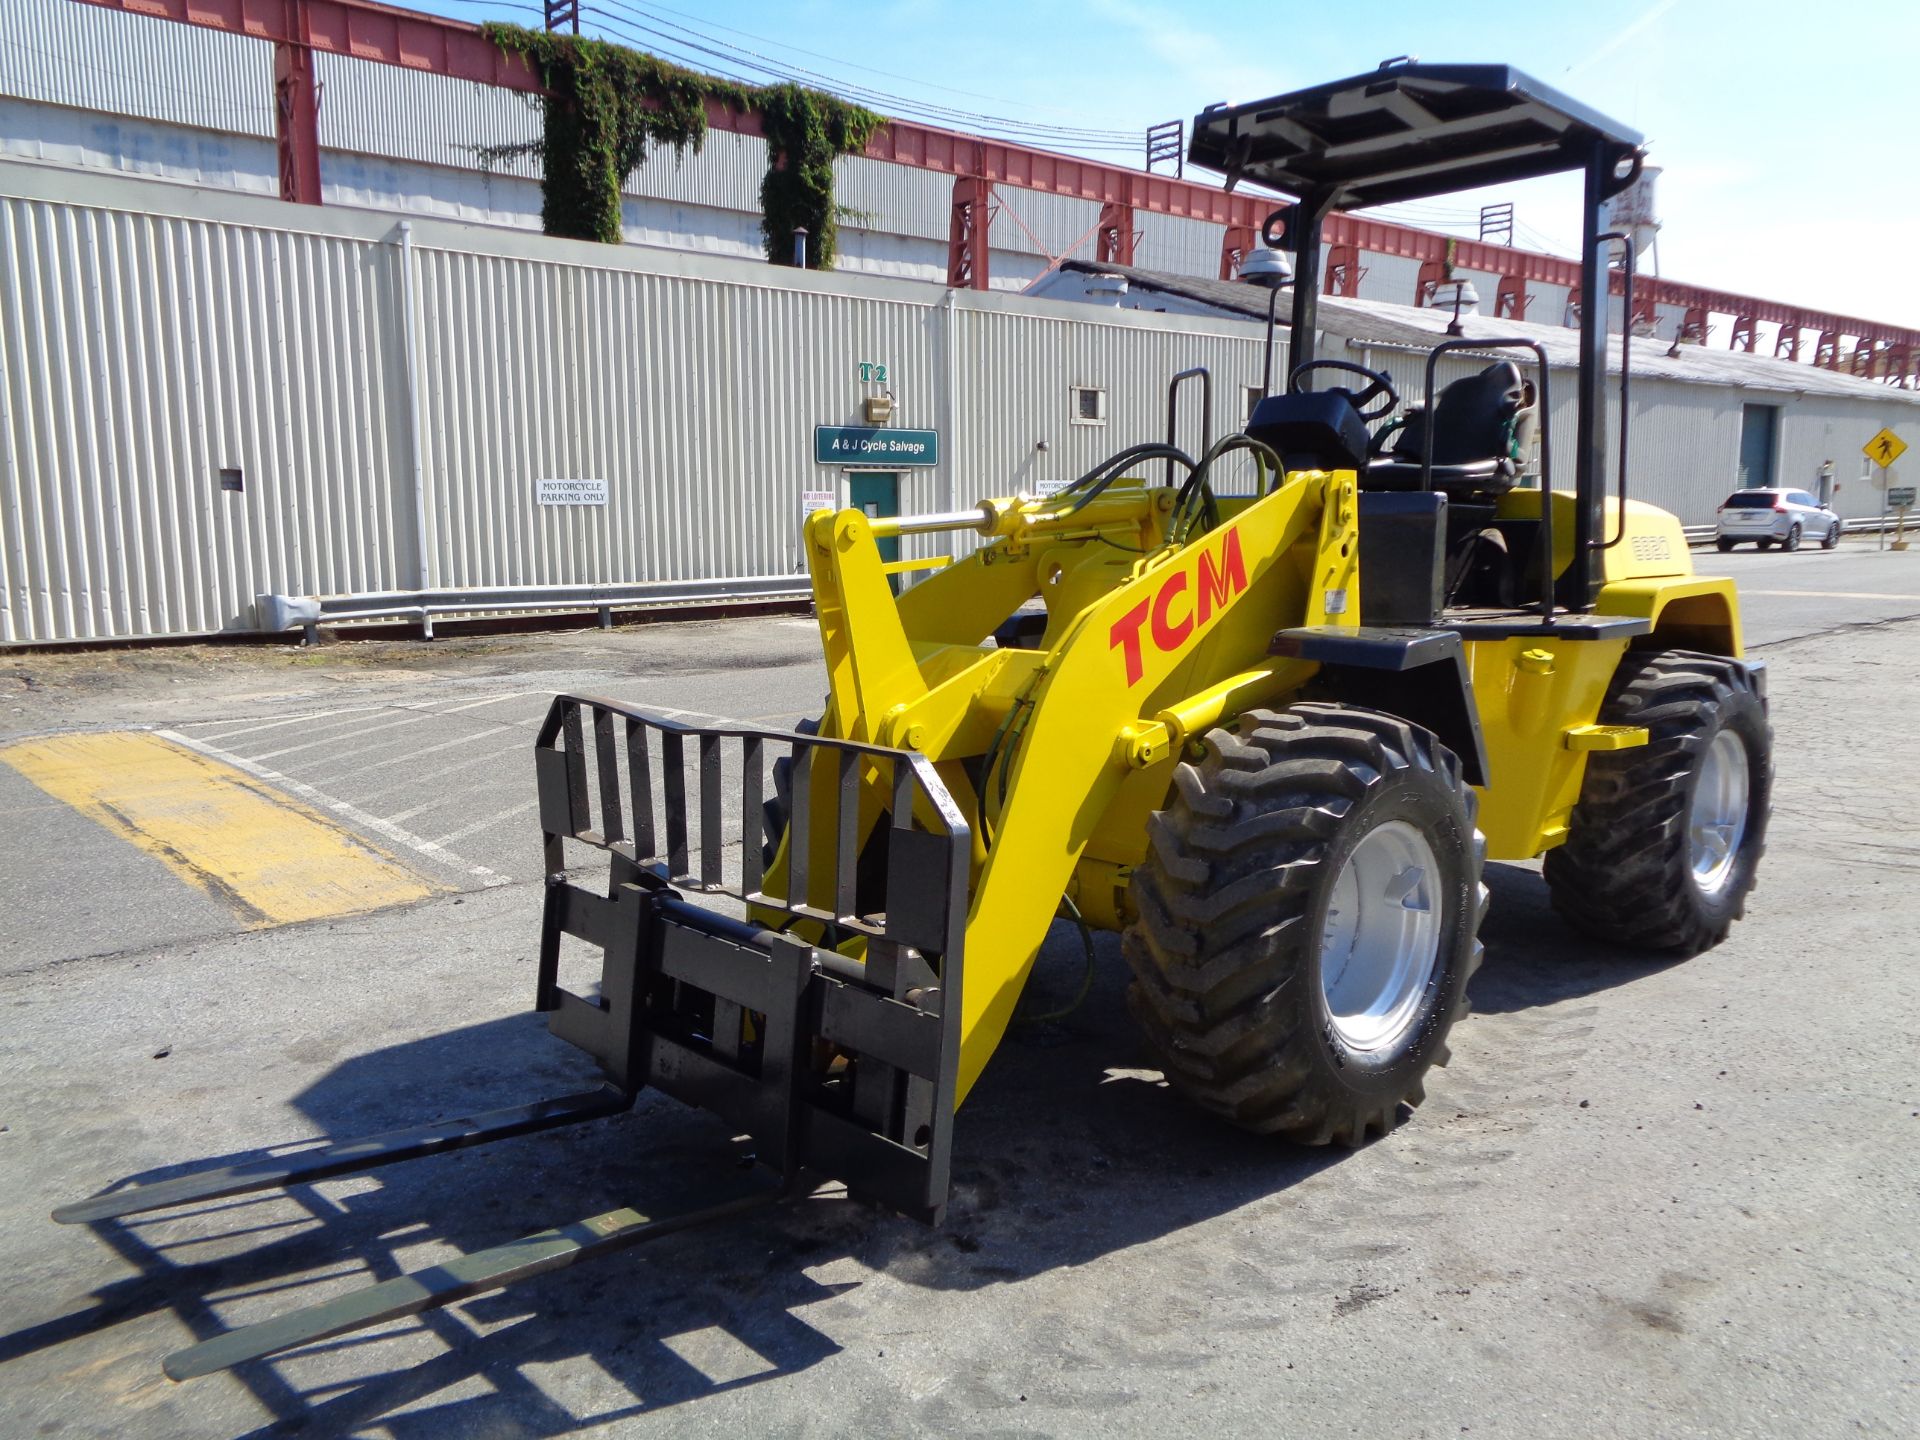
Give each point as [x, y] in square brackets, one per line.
[1481, 429]
[1314, 430]
[1474, 418]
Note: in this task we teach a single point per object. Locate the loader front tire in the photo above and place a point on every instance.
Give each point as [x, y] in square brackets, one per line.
[1662, 849]
[1309, 911]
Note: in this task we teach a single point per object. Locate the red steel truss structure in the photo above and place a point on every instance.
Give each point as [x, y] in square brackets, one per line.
[388, 35]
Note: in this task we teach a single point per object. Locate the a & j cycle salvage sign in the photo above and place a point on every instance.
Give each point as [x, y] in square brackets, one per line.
[874, 448]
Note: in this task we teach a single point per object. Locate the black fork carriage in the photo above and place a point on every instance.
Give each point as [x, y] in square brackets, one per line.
[839, 1066]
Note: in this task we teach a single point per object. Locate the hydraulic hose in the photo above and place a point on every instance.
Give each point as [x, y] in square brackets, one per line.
[1090, 485]
[1195, 500]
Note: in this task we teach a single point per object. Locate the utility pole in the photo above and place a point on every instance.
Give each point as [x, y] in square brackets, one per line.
[1496, 224]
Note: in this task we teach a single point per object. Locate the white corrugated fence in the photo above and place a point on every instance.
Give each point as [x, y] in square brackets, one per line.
[213, 397]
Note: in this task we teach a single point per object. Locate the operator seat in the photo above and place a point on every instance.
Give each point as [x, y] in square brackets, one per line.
[1480, 430]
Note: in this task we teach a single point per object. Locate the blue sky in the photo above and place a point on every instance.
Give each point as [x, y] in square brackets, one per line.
[1785, 131]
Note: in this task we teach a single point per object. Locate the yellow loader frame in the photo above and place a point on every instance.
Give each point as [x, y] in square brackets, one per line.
[1148, 644]
[1308, 882]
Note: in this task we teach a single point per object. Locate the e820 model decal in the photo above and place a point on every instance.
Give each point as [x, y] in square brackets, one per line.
[1182, 605]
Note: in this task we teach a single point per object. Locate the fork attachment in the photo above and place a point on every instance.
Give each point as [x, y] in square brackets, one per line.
[346, 1157]
[822, 1021]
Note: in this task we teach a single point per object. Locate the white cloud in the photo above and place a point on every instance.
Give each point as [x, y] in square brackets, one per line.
[1620, 37]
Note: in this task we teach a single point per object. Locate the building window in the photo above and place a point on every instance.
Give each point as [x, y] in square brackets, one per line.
[1255, 394]
[1089, 405]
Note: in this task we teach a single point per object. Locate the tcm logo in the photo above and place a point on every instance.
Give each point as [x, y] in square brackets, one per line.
[1183, 604]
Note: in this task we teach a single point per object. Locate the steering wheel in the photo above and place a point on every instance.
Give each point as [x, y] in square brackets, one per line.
[1379, 386]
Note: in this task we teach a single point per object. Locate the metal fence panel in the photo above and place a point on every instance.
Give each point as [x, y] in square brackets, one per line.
[159, 336]
[147, 354]
[694, 400]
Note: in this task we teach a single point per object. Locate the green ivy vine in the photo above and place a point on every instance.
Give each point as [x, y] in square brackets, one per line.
[806, 131]
[606, 107]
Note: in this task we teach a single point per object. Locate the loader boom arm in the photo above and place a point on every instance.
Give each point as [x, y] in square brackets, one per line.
[1128, 674]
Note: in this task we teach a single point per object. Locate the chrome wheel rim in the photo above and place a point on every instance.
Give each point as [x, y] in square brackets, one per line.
[1381, 941]
[1717, 816]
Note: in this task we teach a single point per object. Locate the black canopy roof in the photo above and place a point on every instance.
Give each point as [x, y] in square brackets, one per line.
[1404, 132]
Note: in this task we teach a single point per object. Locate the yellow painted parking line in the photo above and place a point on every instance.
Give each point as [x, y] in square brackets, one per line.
[1827, 594]
[273, 859]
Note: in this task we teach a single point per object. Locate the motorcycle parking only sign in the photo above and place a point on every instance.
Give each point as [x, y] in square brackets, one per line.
[570, 492]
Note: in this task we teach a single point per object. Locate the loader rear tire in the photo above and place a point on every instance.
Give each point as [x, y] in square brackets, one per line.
[1662, 849]
[1267, 881]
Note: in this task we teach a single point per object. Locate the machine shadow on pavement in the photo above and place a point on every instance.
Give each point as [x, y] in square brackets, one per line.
[1534, 958]
[1070, 1149]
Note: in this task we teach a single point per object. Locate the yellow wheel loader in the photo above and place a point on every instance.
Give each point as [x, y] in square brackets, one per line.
[1270, 737]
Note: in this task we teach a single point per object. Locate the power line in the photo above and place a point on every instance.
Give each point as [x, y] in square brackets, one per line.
[501, 5]
[697, 48]
[1416, 214]
[1543, 241]
[738, 57]
[1466, 223]
[1041, 126]
[852, 64]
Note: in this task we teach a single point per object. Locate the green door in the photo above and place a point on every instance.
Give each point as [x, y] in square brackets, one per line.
[877, 493]
[1759, 424]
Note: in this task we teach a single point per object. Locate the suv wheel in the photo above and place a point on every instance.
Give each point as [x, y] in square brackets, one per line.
[1792, 542]
[1832, 537]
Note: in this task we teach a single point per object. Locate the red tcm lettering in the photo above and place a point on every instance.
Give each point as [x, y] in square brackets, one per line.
[1184, 602]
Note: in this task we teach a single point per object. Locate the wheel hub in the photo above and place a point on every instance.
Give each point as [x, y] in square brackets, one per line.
[1382, 936]
[1717, 814]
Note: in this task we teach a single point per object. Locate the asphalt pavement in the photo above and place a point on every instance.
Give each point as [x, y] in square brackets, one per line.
[1812, 590]
[1646, 1198]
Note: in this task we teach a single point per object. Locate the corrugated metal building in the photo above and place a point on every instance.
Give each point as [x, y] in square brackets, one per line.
[211, 396]
[1690, 405]
[107, 91]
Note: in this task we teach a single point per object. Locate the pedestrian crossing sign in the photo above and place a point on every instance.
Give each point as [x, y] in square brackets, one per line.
[1884, 448]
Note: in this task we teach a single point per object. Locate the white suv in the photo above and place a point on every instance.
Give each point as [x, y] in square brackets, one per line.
[1769, 516]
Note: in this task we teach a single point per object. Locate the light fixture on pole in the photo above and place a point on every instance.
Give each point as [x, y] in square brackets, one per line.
[1272, 272]
[1464, 295]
